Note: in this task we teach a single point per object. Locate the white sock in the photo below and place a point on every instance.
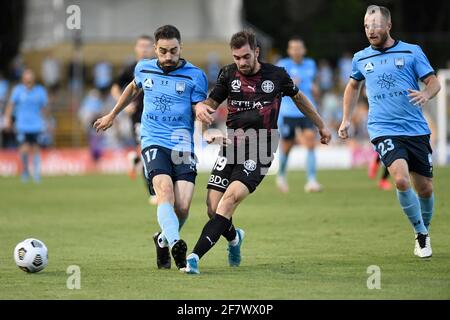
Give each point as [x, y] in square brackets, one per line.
[235, 241]
[193, 255]
[162, 241]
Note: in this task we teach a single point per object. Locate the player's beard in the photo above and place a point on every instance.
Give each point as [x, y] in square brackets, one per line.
[379, 44]
[249, 69]
[170, 64]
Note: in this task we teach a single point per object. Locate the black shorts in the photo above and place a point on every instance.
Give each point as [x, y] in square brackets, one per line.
[31, 138]
[416, 150]
[239, 164]
[176, 164]
[290, 124]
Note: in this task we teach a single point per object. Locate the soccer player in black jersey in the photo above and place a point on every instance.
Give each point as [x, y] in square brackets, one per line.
[143, 50]
[253, 90]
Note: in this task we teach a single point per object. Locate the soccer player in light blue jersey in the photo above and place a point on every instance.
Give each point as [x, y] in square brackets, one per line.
[28, 104]
[171, 87]
[293, 125]
[397, 127]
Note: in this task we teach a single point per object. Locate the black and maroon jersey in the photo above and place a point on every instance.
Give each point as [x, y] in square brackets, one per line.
[253, 101]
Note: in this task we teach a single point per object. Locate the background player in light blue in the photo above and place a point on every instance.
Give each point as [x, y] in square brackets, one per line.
[171, 87]
[397, 128]
[293, 125]
[28, 105]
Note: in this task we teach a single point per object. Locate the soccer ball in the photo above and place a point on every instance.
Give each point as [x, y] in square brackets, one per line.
[31, 255]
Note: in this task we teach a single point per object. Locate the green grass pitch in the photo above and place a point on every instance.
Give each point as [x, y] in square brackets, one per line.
[297, 246]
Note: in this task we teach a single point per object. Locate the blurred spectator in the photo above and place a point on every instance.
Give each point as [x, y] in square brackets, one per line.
[121, 134]
[212, 68]
[325, 75]
[102, 76]
[95, 143]
[91, 107]
[345, 68]
[47, 138]
[76, 72]
[4, 87]
[51, 73]
[331, 109]
[359, 122]
[17, 68]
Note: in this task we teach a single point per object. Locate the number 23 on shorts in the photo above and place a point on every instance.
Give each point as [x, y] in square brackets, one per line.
[385, 146]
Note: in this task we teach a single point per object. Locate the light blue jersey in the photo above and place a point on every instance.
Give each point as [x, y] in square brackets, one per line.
[389, 73]
[303, 75]
[28, 104]
[167, 118]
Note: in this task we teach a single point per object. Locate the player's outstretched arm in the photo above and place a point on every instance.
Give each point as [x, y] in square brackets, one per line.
[432, 88]
[306, 107]
[351, 94]
[204, 109]
[105, 122]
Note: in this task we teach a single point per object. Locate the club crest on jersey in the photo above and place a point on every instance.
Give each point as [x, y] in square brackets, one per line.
[236, 85]
[250, 165]
[267, 86]
[399, 62]
[148, 83]
[180, 87]
[368, 67]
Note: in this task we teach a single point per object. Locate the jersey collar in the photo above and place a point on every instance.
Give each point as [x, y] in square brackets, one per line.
[386, 49]
[181, 65]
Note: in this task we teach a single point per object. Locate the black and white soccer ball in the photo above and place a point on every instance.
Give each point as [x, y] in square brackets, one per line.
[31, 255]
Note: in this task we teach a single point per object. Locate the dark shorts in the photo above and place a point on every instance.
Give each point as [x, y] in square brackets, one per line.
[176, 164]
[416, 150]
[242, 165]
[31, 138]
[290, 124]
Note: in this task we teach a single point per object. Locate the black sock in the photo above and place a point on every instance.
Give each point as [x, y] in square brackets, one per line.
[211, 234]
[385, 173]
[230, 232]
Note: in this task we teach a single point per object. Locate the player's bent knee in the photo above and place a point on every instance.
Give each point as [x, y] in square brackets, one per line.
[402, 183]
[182, 211]
[210, 211]
[165, 194]
[228, 202]
[426, 190]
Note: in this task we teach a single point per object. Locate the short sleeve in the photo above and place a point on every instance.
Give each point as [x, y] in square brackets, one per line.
[220, 91]
[137, 76]
[15, 95]
[200, 88]
[281, 63]
[422, 66]
[288, 88]
[356, 74]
